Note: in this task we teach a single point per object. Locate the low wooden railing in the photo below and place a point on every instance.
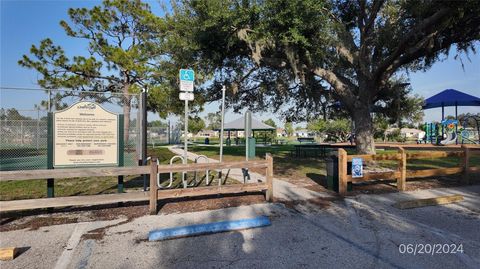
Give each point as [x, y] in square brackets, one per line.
[156, 193]
[401, 173]
[152, 196]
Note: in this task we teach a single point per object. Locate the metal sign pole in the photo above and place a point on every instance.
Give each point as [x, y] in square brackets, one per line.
[221, 129]
[187, 77]
[185, 138]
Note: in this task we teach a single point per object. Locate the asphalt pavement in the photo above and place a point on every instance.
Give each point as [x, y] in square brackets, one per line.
[364, 231]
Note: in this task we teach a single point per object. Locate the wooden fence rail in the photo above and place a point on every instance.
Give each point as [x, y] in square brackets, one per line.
[152, 196]
[156, 193]
[401, 174]
[72, 173]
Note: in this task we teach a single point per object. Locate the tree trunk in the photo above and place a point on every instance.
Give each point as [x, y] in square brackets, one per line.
[126, 113]
[363, 130]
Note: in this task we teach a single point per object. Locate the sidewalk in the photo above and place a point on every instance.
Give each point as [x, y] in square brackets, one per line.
[281, 189]
[236, 173]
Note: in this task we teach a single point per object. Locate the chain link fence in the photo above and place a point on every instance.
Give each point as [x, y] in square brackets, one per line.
[23, 123]
[163, 135]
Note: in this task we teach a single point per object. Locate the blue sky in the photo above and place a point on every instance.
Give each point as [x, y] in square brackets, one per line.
[24, 23]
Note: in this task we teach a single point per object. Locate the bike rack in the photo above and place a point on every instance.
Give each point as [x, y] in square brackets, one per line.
[158, 179]
[184, 174]
[145, 184]
[207, 174]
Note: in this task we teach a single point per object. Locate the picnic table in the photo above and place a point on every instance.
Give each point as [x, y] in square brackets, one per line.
[316, 150]
[306, 139]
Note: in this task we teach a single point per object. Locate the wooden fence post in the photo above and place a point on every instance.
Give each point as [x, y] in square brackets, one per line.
[153, 186]
[466, 160]
[402, 169]
[342, 172]
[269, 177]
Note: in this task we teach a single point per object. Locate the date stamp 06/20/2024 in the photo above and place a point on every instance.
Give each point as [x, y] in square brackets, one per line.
[430, 249]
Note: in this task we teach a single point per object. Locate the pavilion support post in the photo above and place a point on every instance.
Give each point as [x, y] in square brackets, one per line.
[456, 125]
[443, 118]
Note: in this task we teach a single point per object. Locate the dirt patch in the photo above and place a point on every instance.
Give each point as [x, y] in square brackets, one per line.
[35, 219]
[376, 187]
[199, 204]
[317, 183]
[125, 232]
[36, 223]
[313, 204]
[99, 234]
[128, 211]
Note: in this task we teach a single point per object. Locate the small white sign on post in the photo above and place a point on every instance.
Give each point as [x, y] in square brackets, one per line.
[186, 96]
[357, 167]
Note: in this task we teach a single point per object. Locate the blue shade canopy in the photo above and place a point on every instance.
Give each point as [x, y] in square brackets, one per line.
[451, 97]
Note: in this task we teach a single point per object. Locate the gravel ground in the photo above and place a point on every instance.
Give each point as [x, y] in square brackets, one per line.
[363, 231]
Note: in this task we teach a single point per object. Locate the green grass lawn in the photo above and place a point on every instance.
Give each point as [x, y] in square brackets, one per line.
[285, 166]
[431, 163]
[37, 188]
[292, 167]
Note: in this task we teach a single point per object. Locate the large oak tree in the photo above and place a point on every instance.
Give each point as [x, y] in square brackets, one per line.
[302, 54]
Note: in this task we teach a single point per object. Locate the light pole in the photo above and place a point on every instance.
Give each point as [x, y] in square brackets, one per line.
[144, 124]
[221, 135]
[221, 128]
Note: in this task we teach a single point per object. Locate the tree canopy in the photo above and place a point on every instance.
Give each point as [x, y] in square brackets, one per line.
[304, 59]
[124, 52]
[298, 56]
[270, 122]
[289, 128]
[336, 130]
[214, 121]
[195, 124]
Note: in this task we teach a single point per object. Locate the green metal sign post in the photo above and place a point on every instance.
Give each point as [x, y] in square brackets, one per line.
[121, 150]
[50, 181]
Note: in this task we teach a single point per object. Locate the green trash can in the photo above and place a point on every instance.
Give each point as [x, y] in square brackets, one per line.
[251, 147]
[228, 142]
[332, 172]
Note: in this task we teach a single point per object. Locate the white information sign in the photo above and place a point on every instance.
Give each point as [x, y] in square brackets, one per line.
[186, 86]
[186, 96]
[85, 134]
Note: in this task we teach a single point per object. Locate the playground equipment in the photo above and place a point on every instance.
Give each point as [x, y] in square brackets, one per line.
[470, 135]
[455, 133]
[450, 126]
[431, 133]
[450, 98]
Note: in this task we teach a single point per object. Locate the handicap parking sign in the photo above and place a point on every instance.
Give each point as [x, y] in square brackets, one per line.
[187, 75]
[357, 167]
